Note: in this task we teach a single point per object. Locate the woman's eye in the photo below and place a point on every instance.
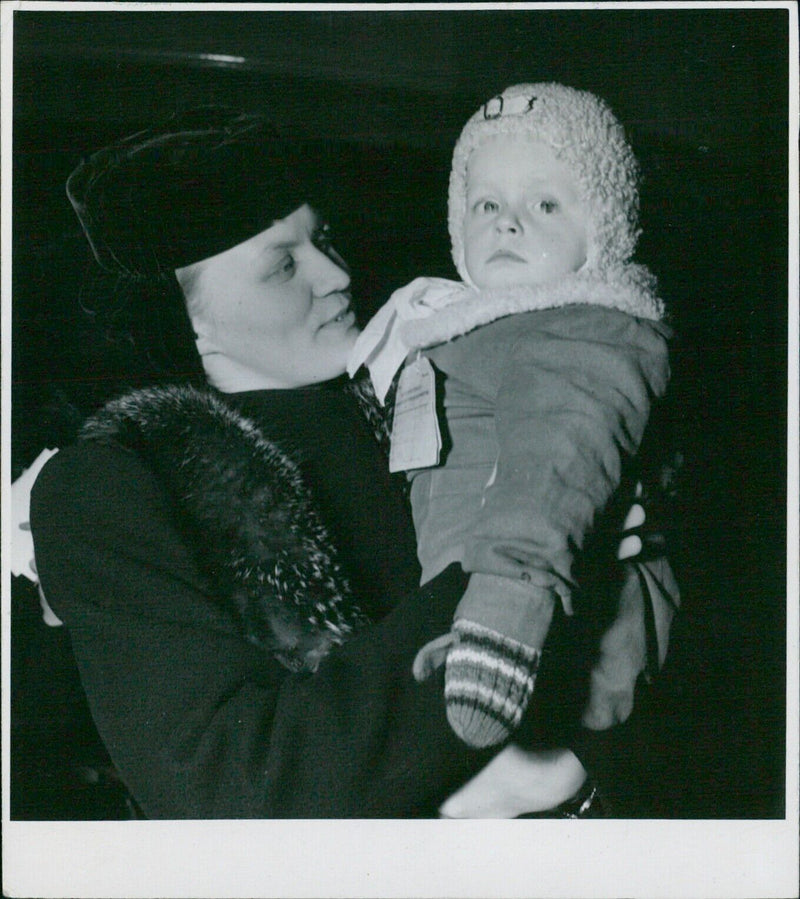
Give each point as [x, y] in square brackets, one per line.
[547, 206]
[487, 206]
[283, 270]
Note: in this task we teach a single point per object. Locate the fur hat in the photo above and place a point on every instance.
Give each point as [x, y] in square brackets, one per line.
[198, 184]
[584, 134]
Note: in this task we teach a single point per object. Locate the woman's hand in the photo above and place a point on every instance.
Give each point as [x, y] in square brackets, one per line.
[518, 782]
[630, 545]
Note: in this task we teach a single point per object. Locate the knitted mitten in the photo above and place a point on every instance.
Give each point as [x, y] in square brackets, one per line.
[489, 681]
[491, 655]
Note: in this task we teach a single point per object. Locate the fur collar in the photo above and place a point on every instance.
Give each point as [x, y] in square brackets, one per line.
[630, 288]
[241, 503]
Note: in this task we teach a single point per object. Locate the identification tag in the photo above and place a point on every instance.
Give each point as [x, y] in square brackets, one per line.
[416, 438]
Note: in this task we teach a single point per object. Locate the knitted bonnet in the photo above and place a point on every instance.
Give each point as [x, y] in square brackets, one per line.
[586, 136]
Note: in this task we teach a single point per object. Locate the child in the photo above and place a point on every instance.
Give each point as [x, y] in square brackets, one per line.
[547, 356]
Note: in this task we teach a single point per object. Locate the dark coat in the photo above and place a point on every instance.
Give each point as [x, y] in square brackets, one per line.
[271, 559]
[199, 722]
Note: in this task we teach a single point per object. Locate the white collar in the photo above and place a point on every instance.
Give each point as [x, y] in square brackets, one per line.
[430, 311]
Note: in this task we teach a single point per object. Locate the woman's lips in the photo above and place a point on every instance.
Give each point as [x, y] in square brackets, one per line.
[345, 316]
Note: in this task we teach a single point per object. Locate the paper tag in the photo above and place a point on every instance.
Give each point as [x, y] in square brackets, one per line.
[416, 439]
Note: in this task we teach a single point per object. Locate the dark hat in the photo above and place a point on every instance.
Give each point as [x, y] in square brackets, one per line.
[204, 181]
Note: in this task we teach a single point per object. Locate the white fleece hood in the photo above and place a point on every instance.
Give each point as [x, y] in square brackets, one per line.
[585, 135]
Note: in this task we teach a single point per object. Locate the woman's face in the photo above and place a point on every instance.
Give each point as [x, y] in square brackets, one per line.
[273, 311]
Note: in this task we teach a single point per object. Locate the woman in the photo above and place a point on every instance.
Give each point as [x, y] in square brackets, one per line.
[148, 536]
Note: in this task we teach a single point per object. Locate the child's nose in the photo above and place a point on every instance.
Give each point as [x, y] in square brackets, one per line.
[508, 221]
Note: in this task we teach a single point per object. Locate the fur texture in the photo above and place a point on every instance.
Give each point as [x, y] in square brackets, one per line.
[630, 288]
[241, 501]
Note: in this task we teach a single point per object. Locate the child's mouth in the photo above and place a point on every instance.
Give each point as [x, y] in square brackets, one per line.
[505, 256]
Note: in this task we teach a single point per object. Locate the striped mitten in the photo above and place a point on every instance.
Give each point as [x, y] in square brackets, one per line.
[489, 681]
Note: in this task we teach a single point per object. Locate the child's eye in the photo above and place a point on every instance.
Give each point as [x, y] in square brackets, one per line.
[486, 206]
[547, 206]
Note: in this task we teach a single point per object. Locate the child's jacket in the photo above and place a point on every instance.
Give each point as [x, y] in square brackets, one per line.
[546, 391]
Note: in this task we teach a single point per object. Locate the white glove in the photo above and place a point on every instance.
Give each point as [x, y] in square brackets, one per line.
[21, 552]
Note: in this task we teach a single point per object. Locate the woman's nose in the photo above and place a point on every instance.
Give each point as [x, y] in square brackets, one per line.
[330, 275]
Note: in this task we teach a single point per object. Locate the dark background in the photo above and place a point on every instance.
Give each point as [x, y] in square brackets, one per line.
[377, 99]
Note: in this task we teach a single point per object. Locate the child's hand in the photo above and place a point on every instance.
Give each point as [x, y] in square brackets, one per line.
[491, 656]
[489, 680]
[432, 656]
[518, 782]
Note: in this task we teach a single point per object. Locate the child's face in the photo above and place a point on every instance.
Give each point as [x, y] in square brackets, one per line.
[525, 222]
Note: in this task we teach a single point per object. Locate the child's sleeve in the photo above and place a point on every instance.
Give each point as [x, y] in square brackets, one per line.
[573, 402]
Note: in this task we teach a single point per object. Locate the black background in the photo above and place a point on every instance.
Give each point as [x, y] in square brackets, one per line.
[377, 99]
